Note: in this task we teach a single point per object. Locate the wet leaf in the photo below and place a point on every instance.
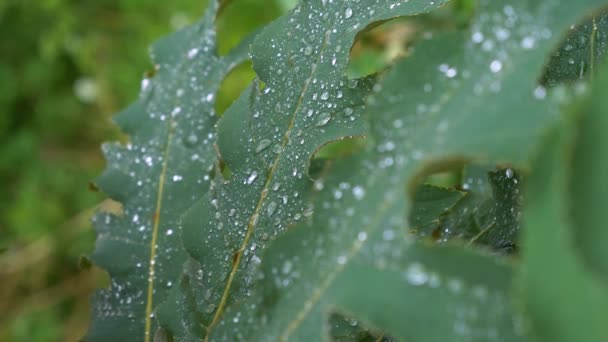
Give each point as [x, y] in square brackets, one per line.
[489, 214]
[318, 268]
[430, 203]
[301, 101]
[588, 184]
[458, 98]
[160, 173]
[565, 302]
[583, 50]
[275, 246]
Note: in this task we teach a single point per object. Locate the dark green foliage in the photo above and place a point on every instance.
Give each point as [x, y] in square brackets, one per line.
[274, 249]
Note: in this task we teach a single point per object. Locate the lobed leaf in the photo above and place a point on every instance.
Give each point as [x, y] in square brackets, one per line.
[160, 173]
[458, 98]
[461, 98]
[301, 101]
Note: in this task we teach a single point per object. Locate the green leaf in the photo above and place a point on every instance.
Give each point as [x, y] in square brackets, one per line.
[379, 278]
[584, 49]
[429, 294]
[588, 183]
[301, 101]
[430, 204]
[564, 301]
[489, 213]
[160, 173]
[458, 98]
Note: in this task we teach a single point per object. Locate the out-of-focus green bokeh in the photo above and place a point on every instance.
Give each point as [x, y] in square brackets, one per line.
[66, 66]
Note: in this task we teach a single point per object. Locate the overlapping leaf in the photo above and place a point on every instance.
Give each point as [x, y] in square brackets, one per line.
[561, 283]
[459, 98]
[584, 48]
[378, 278]
[488, 215]
[588, 184]
[160, 173]
[301, 101]
[431, 204]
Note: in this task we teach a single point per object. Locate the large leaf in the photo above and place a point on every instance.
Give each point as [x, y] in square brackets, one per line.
[565, 301]
[588, 182]
[301, 101]
[458, 98]
[379, 278]
[160, 173]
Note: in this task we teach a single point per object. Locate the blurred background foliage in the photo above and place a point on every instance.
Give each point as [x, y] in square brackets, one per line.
[65, 67]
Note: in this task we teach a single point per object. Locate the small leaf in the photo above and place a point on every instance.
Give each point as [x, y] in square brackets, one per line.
[489, 214]
[583, 50]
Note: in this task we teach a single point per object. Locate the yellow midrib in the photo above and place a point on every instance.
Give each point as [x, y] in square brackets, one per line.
[252, 221]
[159, 202]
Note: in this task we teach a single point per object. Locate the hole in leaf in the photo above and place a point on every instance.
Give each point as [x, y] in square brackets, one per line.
[381, 43]
[233, 26]
[482, 208]
[233, 85]
[337, 149]
[377, 46]
[340, 148]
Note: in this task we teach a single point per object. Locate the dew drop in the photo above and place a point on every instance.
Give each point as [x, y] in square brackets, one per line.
[262, 145]
[362, 236]
[191, 140]
[192, 53]
[323, 119]
[496, 66]
[252, 177]
[528, 43]
[145, 83]
[272, 207]
[358, 192]
[348, 13]
[477, 37]
[416, 274]
[540, 92]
